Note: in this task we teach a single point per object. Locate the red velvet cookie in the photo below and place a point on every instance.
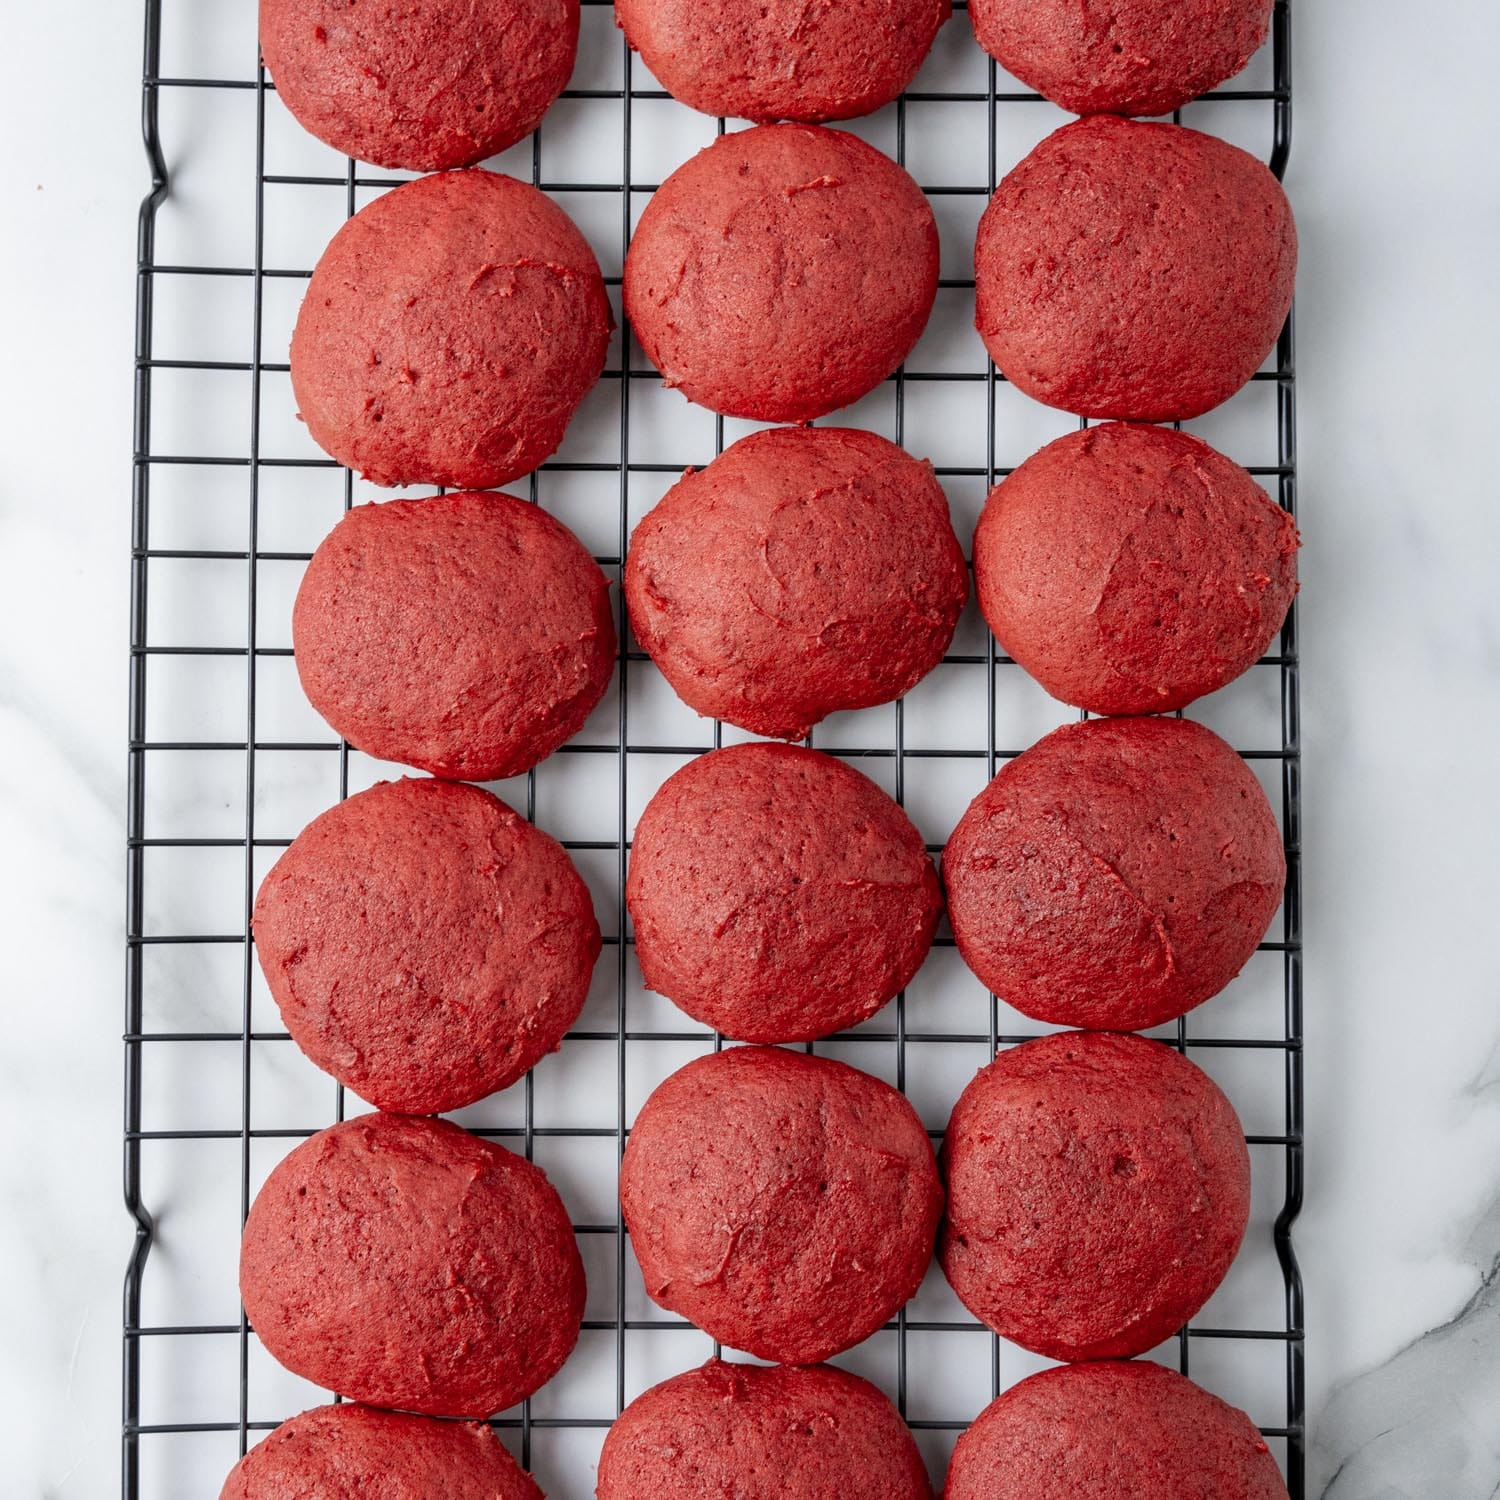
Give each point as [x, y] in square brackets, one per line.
[761, 1432]
[782, 272]
[783, 59]
[1134, 270]
[1125, 57]
[1116, 874]
[425, 944]
[786, 1204]
[777, 894]
[423, 85]
[351, 1452]
[1107, 1431]
[449, 332]
[806, 569]
[1098, 1189]
[406, 1263]
[1132, 569]
[468, 635]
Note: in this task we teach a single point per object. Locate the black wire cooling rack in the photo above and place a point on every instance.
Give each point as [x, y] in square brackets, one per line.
[158, 1451]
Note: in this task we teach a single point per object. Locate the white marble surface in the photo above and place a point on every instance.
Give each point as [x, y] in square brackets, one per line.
[1394, 185]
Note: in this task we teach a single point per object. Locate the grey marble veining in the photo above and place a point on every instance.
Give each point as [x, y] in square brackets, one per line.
[1425, 1422]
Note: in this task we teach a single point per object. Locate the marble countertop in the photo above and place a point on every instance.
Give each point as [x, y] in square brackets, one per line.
[1399, 213]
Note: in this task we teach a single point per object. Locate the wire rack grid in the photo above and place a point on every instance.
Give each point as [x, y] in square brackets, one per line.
[226, 761]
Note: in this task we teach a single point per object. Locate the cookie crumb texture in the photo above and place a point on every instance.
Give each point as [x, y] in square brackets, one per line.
[1098, 1189]
[425, 944]
[761, 1433]
[423, 85]
[804, 571]
[786, 1204]
[468, 635]
[782, 272]
[777, 894]
[350, 1452]
[449, 332]
[1121, 57]
[1133, 569]
[1116, 874]
[783, 59]
[1102, 1431]
[406, 1263]
[1134, 270]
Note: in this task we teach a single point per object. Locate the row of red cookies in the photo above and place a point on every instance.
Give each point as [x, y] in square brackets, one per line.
[1124, 1431]
[447, 83]
[787, 1205]
[1123, 270]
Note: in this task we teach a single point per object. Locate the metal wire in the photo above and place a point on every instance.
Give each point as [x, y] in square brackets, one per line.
[139, 1042]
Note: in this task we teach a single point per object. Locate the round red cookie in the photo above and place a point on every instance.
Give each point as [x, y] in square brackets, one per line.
[1116, 874]
[777, 894]
[1098, 1189]
[1105, 1431]
[806, 569]
[1134, 270]
[759, 1432]
[425, 944]
[783, 59]
[424, 85]
[782, 272]
[406, 1263]
[468, 635]
[351, 1452]
[786, 1204]
[1125, 57]
[449, 332]
[1132, 569]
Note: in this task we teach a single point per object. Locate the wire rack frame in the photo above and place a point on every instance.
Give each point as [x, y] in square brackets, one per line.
[138, 1041]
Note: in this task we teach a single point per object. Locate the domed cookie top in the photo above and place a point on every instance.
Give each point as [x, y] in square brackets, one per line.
[1116, 874]
[777, 894]
[805, 570]
[782, 272]
[406, 1263]
[424, 85]
[783, 59]
[1098, 1189]
[351, 1452]
[1132, 569]
[468, 635]
[786, 1204]
[449, 332]
[1104, 1431]
[425, 944]
[1124, 57]
[757, 1432]
[1134, 270]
